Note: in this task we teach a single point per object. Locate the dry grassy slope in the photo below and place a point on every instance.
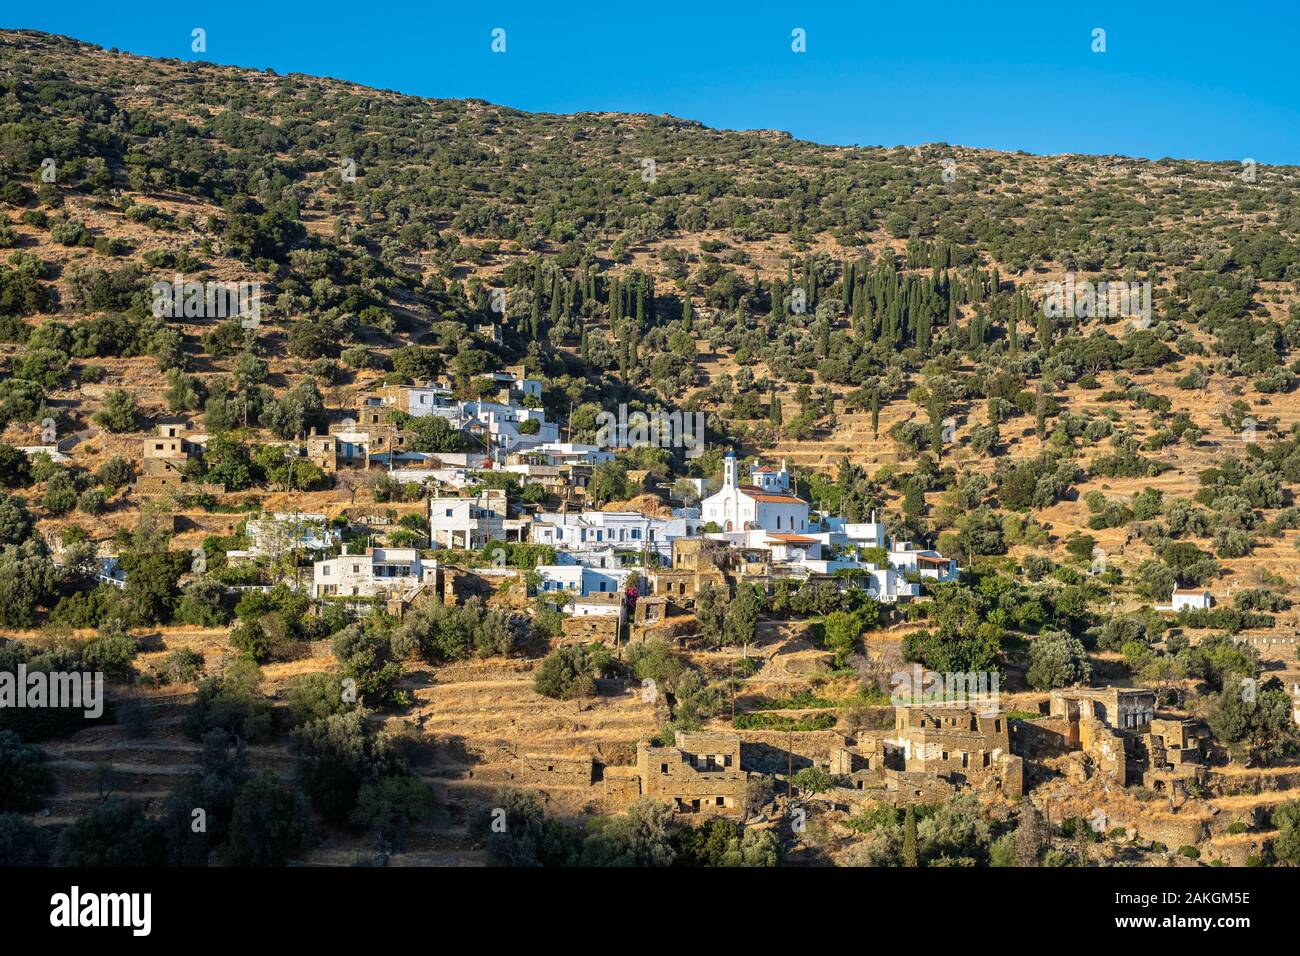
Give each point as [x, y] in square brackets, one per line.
[148, 88]
[483, 714]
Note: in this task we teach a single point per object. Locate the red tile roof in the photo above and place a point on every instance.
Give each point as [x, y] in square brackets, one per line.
[758, 494]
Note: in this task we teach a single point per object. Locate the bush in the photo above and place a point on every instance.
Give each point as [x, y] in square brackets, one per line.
[445, 632]
[1057, 660]
[232, 704]
[571, 671]
[316, 696]
[339, 755]
[203, 604]
[24, 781]
[115, 473]
[783, 723]
[92, 502]
[813, 780]
[60, 494]
[390, 805]
[15, 471]
[183, 666]
[111, 652]
[22, 843]
[269, 825]
[116, 833]
[119, 412]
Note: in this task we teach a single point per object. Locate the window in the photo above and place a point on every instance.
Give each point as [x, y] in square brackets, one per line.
[718, 801]
[448, 512]
[663, 768]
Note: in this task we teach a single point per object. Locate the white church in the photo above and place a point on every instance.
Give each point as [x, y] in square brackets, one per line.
[766, 503]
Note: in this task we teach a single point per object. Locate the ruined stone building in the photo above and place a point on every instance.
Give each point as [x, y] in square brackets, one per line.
[931, 754]
[1117, 728]
[351, 446]
[595, 618]
[453, 584]
[555, 770]
[1171, 756]
[654, 617]
[164, 457]
[700, 773]
[695, 563]
[1119, 708]
[963, 746]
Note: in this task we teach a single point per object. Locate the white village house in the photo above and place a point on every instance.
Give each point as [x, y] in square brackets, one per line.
[566, 581]
[272, 535]
[926, 562]
[624, 531]
[570, 453]
[468, 523]
[380, 571]
[1191, 599]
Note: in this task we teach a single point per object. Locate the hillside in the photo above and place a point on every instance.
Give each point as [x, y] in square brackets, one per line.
[880, 319]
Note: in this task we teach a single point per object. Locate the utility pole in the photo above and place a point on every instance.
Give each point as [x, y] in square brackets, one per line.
[732, 684]
[789, 776]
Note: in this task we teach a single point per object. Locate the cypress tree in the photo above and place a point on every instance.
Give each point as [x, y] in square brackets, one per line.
[1040, 412]
[911, 856]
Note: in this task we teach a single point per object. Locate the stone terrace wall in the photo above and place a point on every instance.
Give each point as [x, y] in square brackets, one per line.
[551, 770]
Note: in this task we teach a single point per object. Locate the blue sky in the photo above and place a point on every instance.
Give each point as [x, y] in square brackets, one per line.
[1190, 80]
